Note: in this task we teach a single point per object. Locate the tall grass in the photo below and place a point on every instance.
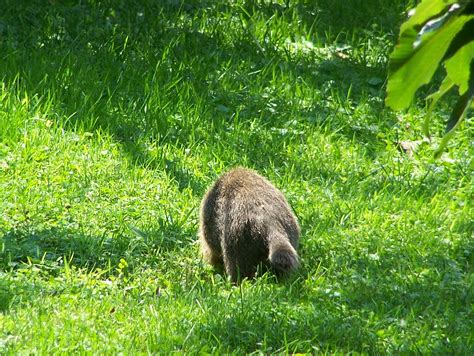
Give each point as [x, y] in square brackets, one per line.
[116, 116]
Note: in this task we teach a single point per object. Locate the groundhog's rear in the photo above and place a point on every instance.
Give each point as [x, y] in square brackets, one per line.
[245, 221]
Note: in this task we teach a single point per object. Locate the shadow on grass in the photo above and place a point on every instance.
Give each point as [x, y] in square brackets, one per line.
[119, 68]
[334, 17]
[56, 244]
[346, 299]
[44, 254]
[358, 312]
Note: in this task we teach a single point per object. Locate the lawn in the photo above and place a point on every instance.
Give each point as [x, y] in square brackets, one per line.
[115, 117]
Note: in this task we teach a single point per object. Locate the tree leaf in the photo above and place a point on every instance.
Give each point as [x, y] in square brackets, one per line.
[457, 116]
[462, 38]
[459, 111]
[412, 67]
[426, 10]
[445, 86]
[459, 69]
[431, 26]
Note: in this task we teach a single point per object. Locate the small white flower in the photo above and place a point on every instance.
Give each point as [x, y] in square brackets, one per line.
[374, 257]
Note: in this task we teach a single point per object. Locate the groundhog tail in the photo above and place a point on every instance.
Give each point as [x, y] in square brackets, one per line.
[283, 258]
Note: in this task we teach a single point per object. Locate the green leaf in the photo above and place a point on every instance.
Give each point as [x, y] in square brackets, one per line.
[426, 10]
[463, 103]
[457, 116]
[458, 67]
[462, 38]
[412, 67]
[445, 86]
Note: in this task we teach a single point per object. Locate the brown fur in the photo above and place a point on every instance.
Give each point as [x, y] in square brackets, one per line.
[244, 222]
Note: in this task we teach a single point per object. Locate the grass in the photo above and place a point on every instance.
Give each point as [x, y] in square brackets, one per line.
[116, 116]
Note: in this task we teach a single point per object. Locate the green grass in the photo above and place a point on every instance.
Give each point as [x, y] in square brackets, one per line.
[116, 116]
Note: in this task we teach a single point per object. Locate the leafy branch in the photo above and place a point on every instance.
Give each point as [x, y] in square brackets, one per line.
[437, 32]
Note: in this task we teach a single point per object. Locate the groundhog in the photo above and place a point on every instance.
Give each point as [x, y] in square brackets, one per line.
[246, 222]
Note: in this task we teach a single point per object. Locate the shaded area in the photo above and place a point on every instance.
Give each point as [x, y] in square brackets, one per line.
[323, 15]
[363, 309]
[142, 55]
[6, 295]
[56, 244]
[50, 253]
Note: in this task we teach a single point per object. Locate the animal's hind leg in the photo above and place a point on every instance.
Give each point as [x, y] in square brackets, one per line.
[230, 264]
[210, 254]
[237, 265]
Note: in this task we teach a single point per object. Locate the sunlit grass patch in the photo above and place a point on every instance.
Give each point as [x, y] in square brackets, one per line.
[114, 119]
